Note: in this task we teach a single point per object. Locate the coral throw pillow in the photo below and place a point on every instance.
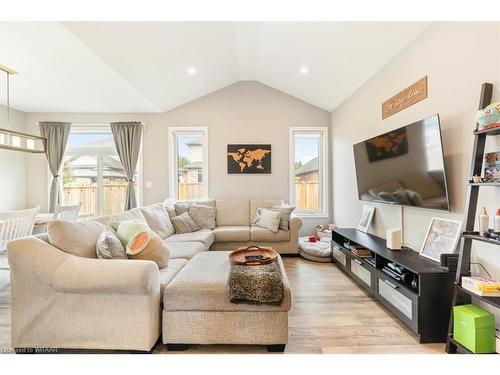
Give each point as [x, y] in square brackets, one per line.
[141, 242]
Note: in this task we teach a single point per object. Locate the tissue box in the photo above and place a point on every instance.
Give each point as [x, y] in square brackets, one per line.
[474, 328]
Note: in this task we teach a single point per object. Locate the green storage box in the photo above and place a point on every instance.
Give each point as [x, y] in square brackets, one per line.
[474, 328]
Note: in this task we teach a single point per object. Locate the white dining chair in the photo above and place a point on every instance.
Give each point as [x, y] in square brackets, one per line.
[15, 224]
[67, 213]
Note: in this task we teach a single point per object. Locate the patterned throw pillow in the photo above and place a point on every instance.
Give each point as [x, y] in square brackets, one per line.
[108, 246]
[184, 223]
[268, 219]
[141, 242]
[203, 216]
[286, 212]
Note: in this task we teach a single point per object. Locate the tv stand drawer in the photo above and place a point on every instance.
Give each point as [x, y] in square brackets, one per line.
[363, 274]
[400, 301]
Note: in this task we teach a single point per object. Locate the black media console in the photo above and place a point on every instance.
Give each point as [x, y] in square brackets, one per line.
[421, 298]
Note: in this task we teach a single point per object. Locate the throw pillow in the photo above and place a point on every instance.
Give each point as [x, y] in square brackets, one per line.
[286, 212]
[180, 208]
[203, 216]
[415, 198]
[400, 196]
[141, 242]
[169, 205]
[109, 246]
[268, 219]
[184, 224]
[158, 220]
[75, 237]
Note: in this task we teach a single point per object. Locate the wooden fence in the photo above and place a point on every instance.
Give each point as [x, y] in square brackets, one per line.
[307, 195]
[190, 190]
[114, 197]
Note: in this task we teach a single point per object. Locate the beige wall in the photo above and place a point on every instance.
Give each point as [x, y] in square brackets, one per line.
[12, 166]
[457, 58]
[246, 112]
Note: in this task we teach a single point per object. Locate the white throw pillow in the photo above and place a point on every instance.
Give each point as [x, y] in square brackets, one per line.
[267, 218]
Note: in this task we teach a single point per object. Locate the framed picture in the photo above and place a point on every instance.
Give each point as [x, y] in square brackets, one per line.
[366, 218]
[388, 145]
[442, 238]
[492, 167]
[245, 159]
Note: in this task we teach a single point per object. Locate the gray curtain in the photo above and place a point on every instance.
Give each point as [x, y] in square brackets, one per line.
[127, 136]
[57, 134]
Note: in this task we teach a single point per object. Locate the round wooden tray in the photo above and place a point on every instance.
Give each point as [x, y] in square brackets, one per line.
[253, 256]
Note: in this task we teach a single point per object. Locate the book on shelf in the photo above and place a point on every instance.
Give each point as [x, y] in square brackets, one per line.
[362, 253]
[482, 286]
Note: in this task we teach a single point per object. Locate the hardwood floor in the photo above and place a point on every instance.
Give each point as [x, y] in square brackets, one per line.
[329, 315]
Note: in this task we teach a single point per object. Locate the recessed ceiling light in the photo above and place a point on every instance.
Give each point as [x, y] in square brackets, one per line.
[191, 71]
[304, 70]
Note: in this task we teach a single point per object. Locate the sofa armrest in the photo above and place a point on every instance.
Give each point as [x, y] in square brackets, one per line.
[67, 273]
[104, 276]
[295, 224]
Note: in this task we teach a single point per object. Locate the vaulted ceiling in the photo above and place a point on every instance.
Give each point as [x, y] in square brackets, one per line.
[154, 67]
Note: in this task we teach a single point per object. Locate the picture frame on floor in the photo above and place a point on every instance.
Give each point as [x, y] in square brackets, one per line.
[365, 218]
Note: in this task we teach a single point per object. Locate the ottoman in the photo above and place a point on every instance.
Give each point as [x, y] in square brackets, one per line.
[319, 251]
[197, 310]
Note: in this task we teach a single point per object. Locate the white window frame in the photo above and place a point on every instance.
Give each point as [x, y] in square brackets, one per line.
[98, 128]
[324, 186]
[173, 133]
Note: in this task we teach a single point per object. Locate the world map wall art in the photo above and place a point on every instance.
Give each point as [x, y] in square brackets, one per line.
[247, 159]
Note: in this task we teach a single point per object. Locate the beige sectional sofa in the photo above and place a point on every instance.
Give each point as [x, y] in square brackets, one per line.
[60, 300]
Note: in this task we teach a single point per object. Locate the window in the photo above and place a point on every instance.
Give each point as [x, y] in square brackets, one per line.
[92, 173]
[188, 163]
[309, 171]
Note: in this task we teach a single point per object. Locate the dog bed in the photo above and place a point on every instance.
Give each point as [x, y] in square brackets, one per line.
[319, 251]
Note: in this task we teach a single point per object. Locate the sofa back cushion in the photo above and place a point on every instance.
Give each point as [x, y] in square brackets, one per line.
[263, 203]
[233, 212]
[133, 214]
[158, 220]
[75, 237]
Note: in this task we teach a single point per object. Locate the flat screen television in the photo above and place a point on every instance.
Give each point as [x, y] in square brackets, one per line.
[404, 167]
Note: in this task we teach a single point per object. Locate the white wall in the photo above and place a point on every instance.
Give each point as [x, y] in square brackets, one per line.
[457, 58]
[12, 166]
[246, 112]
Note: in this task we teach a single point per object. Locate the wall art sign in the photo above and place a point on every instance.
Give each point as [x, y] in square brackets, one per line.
[409, 96]
[248, 159]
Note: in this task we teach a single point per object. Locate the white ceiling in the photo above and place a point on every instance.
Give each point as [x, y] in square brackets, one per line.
[142, 66]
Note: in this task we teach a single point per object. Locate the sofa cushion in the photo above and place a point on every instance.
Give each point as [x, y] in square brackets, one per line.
[266, 218]
[75, 237]
[233, 212]
[108, 246]
[232, 233]
[141, 242]
[184, 223]
[169, 272]
[201, 285]
[423, 184]
[265, 235]
[203, 216]
[388, 187]
[158, 220]
[205, 236]
[133, 214]
[264, 203]
[184, 250]
[286, 213]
